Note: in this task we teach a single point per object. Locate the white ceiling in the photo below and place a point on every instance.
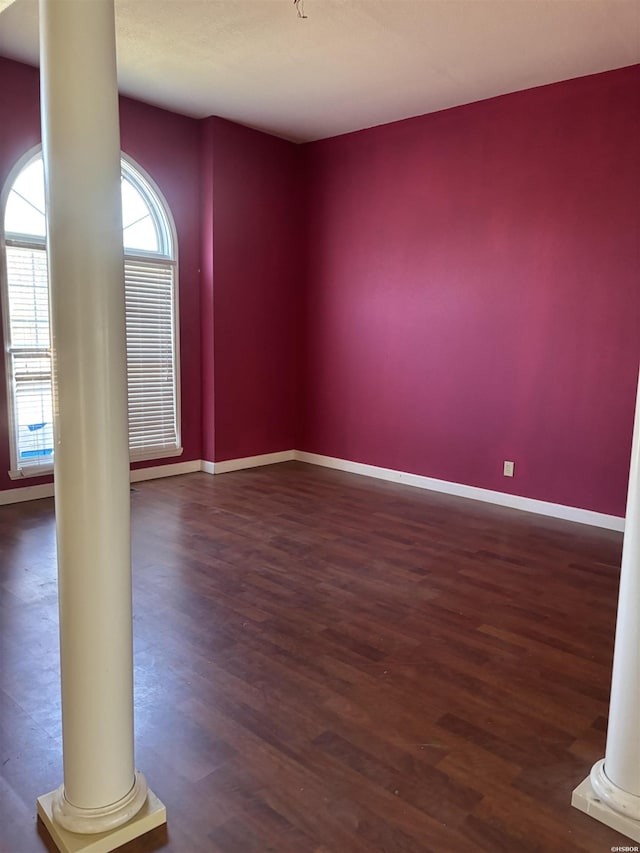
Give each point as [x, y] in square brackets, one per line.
[352, 63]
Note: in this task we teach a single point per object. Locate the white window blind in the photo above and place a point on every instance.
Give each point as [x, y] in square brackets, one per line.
[29, 357]
[28, 297]
[151, 321]
[150, 299]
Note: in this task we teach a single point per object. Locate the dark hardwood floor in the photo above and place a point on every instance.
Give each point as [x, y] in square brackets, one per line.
[330, 664]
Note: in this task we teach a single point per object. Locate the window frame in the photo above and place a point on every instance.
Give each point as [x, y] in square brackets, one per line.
[167, 256]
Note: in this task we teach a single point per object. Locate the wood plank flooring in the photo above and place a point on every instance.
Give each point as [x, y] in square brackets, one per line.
[331, 664]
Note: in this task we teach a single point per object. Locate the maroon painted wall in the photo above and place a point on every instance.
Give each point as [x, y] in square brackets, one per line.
[206, 292]
[258, 254]
[473, 292]
[19, 131]
[435, 296]
[166, 145]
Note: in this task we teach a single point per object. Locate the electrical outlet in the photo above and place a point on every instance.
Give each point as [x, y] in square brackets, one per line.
[508, 469]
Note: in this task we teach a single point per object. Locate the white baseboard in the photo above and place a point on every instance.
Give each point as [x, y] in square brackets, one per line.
[567, 513]
[26, 493]
[252, 461]
[45, 490]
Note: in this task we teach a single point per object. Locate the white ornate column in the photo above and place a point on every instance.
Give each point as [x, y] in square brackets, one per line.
[103, 801]
[611, 793]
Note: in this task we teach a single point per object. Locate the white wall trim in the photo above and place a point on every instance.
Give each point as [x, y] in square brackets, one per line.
[45, 490]
[26, 493]
[567, 513]
[253, 461]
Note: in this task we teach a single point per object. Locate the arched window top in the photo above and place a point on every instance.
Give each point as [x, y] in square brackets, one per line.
[145, 222]
[146, 229]
[24, 214]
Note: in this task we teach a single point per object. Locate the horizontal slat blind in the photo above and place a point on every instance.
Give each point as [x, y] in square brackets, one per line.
[150, 289]
[149, 294]
[29, 357]
[151, 368]
[33, 407]
[28, 297]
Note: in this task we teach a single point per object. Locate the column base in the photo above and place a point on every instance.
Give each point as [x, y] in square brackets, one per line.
[103, 819]
[585, 799]
[151, 815]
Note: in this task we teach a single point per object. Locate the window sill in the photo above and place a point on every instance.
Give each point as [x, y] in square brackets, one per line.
[150, 455]
[141, 456]
[31, 471]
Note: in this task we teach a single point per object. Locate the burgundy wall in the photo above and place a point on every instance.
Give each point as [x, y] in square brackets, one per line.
[206, 294]
[435, 295]
[19, 131]
[167, 147]
[258, 251]
[473, 292]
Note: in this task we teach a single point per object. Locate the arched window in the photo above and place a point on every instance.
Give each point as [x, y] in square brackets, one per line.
[150, 285]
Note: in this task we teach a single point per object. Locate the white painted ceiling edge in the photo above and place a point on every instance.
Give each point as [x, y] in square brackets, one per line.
[350, 64]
